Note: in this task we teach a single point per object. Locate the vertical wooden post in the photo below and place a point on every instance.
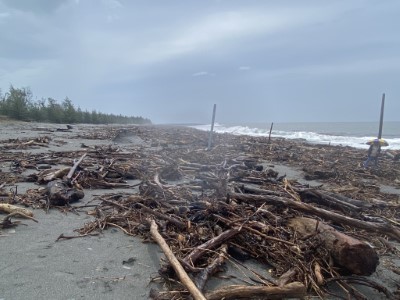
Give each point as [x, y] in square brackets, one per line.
[381, 119]
[212, 127]
[270, 130]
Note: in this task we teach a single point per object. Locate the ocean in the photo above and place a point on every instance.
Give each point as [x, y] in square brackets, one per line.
[353, 134]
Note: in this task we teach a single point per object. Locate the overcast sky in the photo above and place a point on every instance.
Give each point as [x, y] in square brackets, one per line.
[170, 60]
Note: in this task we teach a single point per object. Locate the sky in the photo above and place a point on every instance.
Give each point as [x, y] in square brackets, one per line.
[171, 61]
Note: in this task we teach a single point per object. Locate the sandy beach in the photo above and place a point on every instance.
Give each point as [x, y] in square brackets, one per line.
[114, 265]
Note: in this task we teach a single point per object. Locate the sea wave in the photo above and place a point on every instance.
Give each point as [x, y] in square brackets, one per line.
[309, 136]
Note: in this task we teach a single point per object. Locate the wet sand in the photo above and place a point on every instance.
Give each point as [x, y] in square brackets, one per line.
[109, 266]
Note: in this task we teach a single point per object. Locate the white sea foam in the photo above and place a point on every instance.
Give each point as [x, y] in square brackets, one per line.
[312, 137]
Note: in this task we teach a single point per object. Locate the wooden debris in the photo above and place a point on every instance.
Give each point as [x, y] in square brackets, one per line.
[7, 223]
[61, 194]
[183, 276]
[8, 208]
[290, 290]
[356, 256]
[207, 203]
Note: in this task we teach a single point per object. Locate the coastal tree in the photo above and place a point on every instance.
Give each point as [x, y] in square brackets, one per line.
[54, 111]
[69, 110]
[17, 103]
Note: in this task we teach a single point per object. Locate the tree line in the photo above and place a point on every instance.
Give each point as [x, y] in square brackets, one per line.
[17, 104]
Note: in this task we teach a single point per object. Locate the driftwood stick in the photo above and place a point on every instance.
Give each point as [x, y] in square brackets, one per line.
[328, 200]
[76, 164]
[203, 276]
[69, 237]
[183, 276]
[255, 231]
[387, 229]
[210, 244]
[8, 208]
[17, 213]
[162, 216]
[6, 222]
[290, 290]
[364, 281]
[286, 277]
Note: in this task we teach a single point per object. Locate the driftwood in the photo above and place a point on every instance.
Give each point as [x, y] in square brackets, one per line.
[211, 244]
[354, 255]
[176, 222]
[50, 175]
[385, 228]
[203, 276]
[183, 276]
[73, 169]
[59, 193]
[290, 290]
[6, 222]
[184, 188]
[8, 208]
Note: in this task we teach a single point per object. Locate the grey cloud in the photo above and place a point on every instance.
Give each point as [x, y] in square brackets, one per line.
[35, 6]
[171, 61]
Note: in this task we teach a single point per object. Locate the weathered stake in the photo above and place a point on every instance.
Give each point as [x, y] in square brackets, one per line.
[381, 119]
[270, 130]
[212, 127]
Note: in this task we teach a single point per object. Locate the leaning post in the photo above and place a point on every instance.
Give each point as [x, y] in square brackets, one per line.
[212, 128]
[270, 130]
[381, 119]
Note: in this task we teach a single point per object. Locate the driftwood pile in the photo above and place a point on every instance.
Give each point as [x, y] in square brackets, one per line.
[205, 207]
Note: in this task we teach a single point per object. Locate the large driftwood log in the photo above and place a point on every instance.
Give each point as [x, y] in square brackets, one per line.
[385, 228]
[354, 255]
[290, 290]
[60, 193]
[183, 276]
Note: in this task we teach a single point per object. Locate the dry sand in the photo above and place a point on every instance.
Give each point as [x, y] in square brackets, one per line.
[110, 266]
[35, 266]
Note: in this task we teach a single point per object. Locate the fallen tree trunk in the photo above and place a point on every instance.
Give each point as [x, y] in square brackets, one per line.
[354, 255]
[290, 290]
[386, 228]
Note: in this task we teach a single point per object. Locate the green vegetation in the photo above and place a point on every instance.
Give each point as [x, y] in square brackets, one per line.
[17, 104]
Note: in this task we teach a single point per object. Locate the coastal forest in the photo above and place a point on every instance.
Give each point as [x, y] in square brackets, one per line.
[17, 104]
